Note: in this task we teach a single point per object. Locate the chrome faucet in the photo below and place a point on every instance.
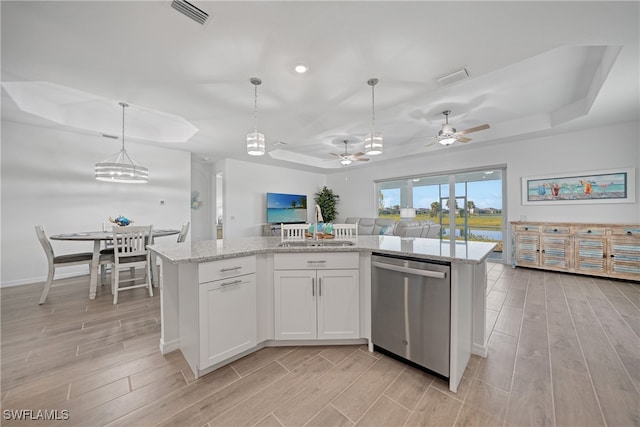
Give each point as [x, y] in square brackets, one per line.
[318, 218]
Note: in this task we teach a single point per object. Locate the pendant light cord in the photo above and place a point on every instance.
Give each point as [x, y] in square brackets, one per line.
[373, 111]
[255, 108]
[124, 105]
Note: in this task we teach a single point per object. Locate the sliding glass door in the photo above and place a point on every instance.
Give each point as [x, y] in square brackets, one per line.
[467, 203]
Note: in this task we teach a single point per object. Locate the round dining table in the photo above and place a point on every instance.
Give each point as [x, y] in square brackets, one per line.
[98, 237]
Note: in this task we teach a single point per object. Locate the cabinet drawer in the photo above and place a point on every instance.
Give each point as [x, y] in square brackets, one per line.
[216, 270]
[589, 231]
[519, 228]
[315, 260]
[553, 229]
[626, 231]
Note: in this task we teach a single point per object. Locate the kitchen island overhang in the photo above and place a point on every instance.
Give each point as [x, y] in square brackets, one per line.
[179, 275]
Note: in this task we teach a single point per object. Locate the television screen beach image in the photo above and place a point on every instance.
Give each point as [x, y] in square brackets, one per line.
[286, 208]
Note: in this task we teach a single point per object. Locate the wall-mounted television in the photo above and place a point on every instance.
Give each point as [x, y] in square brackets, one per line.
[286, 208]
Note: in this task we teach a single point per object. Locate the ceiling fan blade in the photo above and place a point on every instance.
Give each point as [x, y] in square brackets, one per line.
[474, 129]
[358, 154]
[463, 139]
[337, 155]
[434, 141]
[361, 159]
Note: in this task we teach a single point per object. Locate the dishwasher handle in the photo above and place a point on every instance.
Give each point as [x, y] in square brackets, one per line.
[425, 273]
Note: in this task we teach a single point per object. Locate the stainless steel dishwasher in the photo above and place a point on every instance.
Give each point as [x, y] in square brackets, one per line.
[411, 304]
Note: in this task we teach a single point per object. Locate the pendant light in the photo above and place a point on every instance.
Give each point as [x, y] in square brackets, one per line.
[120, 167]
[255, 140]
[373, 141]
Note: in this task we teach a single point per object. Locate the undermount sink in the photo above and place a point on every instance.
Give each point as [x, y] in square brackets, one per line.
[308, 243]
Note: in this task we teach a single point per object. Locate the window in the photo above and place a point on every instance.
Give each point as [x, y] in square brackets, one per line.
[476, 203]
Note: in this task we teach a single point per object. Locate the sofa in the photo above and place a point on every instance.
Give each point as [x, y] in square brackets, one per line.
[427, 229]
[388, 226]
[373, 226]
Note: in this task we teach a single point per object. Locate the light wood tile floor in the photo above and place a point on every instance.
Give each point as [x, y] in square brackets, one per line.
[564, 350]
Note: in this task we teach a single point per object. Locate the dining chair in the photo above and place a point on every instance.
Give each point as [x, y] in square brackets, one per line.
[130, 251]
[342, 231]
[54, 261]
[293, 231]
[182, 236]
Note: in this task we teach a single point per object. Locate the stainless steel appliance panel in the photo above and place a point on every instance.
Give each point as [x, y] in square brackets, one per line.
[411, 303]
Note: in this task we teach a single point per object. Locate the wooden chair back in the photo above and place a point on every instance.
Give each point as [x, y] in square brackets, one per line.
[293, 231]
[182, 236]
[344, 231]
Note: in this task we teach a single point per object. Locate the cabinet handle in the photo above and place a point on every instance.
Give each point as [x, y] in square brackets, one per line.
[320, 286]
[235, 282]
[526, 229]
[313, 287]
[222, 270]
[588, 231]
[612, 256]
[316, 262]
[629, 233]
[543, 251]
[555, 230]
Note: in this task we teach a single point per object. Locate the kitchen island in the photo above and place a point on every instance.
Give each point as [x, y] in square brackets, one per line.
[223, 299]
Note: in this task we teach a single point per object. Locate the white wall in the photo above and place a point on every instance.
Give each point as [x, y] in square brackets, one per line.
[601, 148]
[245, 188]
[47, 178]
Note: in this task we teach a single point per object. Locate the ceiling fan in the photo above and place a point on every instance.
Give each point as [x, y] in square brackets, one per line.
[448, 134]
[347, 158]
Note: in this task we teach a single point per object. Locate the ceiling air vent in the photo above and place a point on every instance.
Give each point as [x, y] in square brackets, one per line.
[190, 11]
[453, 77]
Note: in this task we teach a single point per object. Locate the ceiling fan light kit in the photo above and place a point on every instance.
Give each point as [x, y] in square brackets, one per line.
[373, 143]
[121, 168]
[448, 134]
[255, 140]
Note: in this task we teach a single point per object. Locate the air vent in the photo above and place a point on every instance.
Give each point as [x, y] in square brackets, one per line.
[190, 11]
[453, 77]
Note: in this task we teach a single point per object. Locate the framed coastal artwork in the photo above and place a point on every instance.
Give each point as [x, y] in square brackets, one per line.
[601, 186]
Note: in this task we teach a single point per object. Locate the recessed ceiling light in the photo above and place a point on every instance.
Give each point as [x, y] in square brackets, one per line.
[301, 69]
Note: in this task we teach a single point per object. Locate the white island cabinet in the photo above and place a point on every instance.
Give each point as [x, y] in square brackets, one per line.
[227, 309]
[221, 300]
[219, 312]
[316, 296]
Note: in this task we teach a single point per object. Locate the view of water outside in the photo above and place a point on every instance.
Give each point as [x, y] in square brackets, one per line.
[478, 203]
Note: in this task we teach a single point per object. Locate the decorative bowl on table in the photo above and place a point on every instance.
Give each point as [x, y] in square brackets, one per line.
[120, 220]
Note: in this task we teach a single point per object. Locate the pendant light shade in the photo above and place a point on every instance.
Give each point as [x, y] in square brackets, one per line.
[120, 167]
[373, 144]
[255, 139]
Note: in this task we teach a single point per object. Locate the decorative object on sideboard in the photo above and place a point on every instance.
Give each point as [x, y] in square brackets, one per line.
[255, 140]
[120, 167]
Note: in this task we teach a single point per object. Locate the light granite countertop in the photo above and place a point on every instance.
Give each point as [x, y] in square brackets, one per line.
[430, 249]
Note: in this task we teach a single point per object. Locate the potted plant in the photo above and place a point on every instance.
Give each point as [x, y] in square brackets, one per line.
[327, 200]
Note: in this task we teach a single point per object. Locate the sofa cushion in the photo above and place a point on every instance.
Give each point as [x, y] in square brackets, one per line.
[366, 225]
[384, 226]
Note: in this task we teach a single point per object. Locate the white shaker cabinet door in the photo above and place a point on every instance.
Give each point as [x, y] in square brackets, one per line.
[295, 304]
[228, 323]
[338, 304]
